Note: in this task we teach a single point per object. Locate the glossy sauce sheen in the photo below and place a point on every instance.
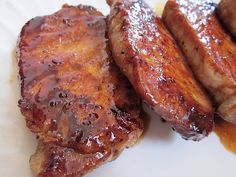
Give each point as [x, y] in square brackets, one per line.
[209, 50]
[227, 133]
[74, 97]
[150, 58]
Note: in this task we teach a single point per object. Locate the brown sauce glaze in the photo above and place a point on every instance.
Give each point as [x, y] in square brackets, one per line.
[224, 130]
[143, 49]
[73, 96]
[227, 134]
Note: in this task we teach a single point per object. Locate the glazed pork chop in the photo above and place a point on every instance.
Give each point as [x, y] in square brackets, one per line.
[74, 98]
[148, 55]
[210, 52]
[226, 11]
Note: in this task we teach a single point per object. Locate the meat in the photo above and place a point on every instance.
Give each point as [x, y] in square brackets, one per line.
[74, 98]
[148, 55]
[210, 52]
[226, 11]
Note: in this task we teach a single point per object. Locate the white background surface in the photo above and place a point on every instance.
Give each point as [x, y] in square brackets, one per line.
[161, 153]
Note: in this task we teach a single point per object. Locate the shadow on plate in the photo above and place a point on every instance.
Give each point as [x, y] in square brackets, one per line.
[155, 127]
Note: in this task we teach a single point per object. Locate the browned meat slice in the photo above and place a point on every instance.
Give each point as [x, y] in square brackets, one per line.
[74, 98]
[226, 11]
[210, 52]
[58, 161]
[149, 57]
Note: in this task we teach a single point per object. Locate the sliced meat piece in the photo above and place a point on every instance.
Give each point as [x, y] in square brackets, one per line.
[150, 58]
[58, 161]
[210, 52]
[74, 97]
[226, 11]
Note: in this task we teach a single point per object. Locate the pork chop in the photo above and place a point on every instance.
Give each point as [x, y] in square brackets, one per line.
[209, 50]
[74, 98]
[148, 55]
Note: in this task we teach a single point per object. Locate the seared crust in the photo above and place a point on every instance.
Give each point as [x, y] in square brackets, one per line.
[57, 161]
[149, 57]
[210, 52]
[226, 11]
[74, 98]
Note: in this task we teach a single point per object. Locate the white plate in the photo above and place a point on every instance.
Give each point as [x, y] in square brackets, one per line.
[161, 153]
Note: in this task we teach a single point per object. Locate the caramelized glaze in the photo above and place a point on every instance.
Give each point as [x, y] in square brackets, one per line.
[152, 61]
[209, 50]
[227, 133]
[74, 97]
